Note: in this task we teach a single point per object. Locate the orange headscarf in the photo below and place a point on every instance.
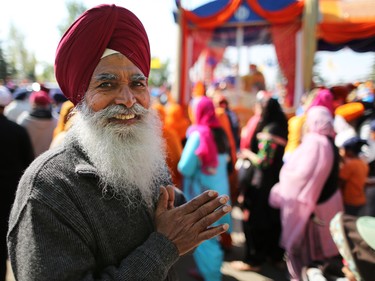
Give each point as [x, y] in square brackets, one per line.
[173, 146]
[63, 122]
[176, 119]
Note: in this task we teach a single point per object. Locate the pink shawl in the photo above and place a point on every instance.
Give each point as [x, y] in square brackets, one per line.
[205, 119]
[302, 178]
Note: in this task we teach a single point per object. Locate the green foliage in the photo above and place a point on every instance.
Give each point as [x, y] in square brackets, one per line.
[18, 62]
[47, 73]
[3, 65]
[21, 61]
[159, 76]
[75, 9]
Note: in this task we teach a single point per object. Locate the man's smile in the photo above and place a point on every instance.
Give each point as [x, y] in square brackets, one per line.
[125, 116]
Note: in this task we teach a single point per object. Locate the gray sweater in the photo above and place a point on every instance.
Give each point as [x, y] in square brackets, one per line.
[62, 228]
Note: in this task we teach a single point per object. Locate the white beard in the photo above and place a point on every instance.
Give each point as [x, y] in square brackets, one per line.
[130, 160]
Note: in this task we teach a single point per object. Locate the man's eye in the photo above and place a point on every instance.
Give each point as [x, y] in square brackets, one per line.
[138, 84]
[105, 85]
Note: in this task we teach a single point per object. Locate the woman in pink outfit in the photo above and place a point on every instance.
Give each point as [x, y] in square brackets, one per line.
[308, 195]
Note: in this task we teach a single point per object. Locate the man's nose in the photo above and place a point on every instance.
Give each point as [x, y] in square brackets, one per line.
[125, 97]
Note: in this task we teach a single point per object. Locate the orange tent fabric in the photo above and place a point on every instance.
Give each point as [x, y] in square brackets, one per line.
[344, 21]
[343, 32]
[283, 36]
[341, 22]
[214, 20]
[358, 11]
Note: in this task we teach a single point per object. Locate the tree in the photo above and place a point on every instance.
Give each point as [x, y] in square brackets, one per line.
[3, 65]
[47, 73]
[21, 62]
[158, 74]
[74, 10]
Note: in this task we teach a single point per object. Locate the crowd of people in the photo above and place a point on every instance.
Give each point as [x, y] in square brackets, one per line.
[101, 204]
[106, 183]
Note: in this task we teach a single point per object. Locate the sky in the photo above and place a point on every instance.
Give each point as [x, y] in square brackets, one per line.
[38, 20]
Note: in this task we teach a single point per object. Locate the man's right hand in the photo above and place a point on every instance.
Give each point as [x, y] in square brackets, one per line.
[190, 224]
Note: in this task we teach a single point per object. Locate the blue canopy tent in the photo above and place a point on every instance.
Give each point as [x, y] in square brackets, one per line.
[238, 23]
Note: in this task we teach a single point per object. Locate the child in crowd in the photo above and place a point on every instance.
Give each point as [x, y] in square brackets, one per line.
[353, 175]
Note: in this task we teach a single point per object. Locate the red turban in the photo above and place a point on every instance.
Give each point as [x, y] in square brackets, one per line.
[40, 98]
[83, 44]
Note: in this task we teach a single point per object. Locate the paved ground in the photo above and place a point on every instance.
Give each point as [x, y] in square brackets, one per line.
[268, 272]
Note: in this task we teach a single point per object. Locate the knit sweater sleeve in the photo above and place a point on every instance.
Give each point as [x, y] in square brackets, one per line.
[53, 250]
[61, 229]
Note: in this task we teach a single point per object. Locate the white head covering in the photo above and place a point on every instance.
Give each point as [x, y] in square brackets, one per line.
[108, 52]
[343, 129]
[5, 96]
[319, 120]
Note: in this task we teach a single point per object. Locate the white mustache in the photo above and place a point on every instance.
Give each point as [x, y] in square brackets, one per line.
[119, 109]
[102, 116]
[113, 110]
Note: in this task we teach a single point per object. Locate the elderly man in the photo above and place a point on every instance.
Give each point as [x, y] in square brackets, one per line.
[100, 207]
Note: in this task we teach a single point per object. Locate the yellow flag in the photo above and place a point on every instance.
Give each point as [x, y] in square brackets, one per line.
[155, 63]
